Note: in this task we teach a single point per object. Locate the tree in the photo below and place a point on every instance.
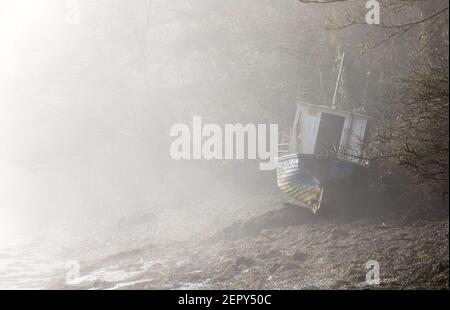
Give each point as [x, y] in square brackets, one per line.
[408, 51]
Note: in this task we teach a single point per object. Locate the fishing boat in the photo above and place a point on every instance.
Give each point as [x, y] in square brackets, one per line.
[322, 163]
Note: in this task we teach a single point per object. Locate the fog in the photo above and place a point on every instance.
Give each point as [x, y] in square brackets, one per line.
[72, 137]
[89, 92]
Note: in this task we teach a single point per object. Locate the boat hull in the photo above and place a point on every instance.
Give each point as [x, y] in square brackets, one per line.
[314, 181]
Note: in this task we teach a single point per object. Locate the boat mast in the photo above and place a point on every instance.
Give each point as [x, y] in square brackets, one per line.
[333, 104]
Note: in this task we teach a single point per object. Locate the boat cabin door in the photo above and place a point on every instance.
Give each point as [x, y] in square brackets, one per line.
[329, 135]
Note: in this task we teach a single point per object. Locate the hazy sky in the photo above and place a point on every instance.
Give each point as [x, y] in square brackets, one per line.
[32, 37]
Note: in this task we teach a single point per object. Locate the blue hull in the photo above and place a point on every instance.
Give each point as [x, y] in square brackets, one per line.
[312, 181]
